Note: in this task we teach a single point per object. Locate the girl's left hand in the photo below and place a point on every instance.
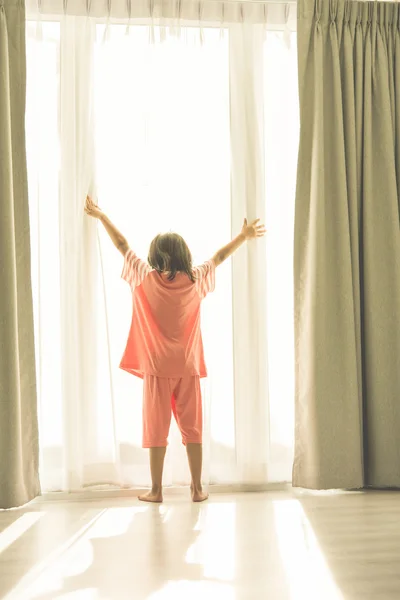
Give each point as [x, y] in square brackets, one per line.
[254, 230]
[92, 209]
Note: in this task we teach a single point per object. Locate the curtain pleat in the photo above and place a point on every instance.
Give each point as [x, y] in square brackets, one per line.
[78, 251]
[249, 293]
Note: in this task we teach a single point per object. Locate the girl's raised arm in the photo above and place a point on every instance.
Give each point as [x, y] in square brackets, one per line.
[119, 241]
[249, 232]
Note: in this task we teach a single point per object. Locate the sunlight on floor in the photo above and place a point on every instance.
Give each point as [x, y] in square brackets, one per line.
[195, 590]
[18, 528]
[78, 558]
[86, 594]
[225, 549]
[216, 554]
[39, 573]
[307, 572]
[115, 521]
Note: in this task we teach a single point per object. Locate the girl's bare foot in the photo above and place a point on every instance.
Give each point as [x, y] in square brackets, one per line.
[153, 496]
[198, 495]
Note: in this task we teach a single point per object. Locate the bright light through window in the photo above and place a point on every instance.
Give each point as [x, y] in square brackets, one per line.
[163, 156]
[163, 148]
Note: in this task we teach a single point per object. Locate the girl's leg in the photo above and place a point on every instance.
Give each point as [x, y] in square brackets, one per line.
[189, 416]
[157, 456]
[156, 422]
[195, 458]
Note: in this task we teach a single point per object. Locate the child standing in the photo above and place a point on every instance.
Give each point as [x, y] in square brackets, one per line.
[165, 346]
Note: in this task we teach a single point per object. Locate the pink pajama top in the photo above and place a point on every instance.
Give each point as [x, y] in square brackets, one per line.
[165, 338]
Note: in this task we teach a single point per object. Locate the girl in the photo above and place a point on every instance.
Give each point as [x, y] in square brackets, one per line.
[164, 345]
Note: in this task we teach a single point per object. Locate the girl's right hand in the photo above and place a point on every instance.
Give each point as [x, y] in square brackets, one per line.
[92, 209]
[253, 230]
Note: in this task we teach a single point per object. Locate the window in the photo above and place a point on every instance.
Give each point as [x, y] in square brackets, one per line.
[162, 144]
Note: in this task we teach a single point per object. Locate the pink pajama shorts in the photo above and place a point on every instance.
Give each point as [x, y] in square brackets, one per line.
[163, 397]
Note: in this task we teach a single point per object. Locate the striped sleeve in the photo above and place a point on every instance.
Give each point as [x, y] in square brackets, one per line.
[135, 270]
[205, 278]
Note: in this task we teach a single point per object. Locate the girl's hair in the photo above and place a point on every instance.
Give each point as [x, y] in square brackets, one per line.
[169, 252]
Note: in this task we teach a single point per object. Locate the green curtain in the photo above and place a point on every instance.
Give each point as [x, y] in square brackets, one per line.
[19, 480]
[347, 246]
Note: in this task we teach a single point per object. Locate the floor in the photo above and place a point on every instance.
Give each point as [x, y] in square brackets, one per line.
[276, 546]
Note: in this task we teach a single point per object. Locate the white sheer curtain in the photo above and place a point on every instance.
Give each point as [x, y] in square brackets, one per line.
[281, 113]
[144, 116]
